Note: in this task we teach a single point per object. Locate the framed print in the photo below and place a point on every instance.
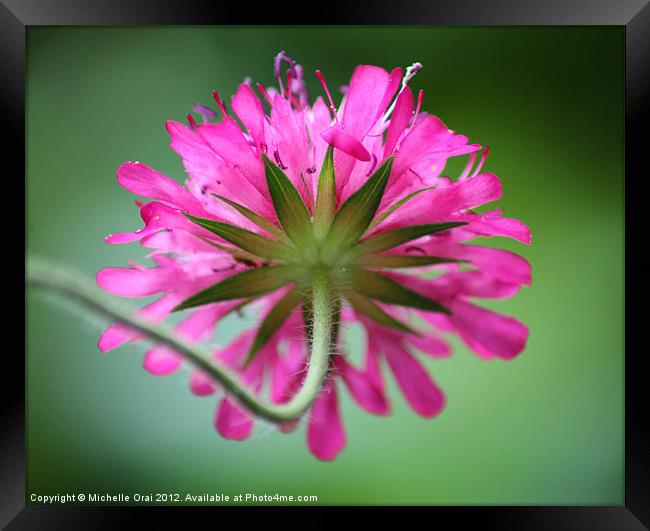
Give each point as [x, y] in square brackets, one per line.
[380, 264]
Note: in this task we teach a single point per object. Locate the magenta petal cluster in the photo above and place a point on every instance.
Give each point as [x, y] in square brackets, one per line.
[222, 153]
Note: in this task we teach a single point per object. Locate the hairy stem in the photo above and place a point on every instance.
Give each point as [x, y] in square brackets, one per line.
[61, 279]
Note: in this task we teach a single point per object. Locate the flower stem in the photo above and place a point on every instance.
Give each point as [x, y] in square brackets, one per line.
[63, 280]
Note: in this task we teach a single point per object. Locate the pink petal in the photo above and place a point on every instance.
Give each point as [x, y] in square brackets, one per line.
[424, 396]
[367, 395]
[501, 264]
[339, 139]
[287, 371]
[296, 355]
[372, 359]
[469, 193]
[161, 361]
[488, 333]
[370, 91]
[439, 321]
[440, 203]
[157, 217]
[233, 353]
[223, 176]
[114, 336]
[431, 345]
[428, 135]
[280, 380]
[321, 122]
[288, 427]
[181, 241]
[484, 225]
[227, 140]
[128, 282]
[289, 145]
[200, 324]
[429, 139]
[394, 81]
[142, 180]
[232, 422]
[498, 263]
[361, 170]
[171, 240]
[473, 284]
[117, 334]
[200, 384]
[152, 222]
[287, 376]
[399, 120]
[325, 432]
[367, 99]
[249, 110]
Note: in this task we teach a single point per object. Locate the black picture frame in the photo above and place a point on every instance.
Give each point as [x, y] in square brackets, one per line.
[634, 15]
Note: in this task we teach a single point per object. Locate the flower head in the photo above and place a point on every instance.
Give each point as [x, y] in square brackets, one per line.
[350, 198]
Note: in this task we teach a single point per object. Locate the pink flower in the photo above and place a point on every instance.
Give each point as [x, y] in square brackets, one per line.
[264, 207]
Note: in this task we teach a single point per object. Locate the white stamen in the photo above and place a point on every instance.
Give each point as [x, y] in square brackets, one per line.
[410, 74]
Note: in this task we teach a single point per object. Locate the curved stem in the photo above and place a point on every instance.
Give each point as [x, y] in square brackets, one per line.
[58, 278]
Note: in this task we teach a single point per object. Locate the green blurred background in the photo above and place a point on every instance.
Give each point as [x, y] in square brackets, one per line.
[546, 428]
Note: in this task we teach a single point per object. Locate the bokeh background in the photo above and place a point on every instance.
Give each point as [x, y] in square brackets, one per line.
[546, 428]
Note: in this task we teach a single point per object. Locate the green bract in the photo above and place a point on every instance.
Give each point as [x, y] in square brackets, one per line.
[329, 244]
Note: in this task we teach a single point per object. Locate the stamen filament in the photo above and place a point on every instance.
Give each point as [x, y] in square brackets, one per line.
[486, 150]
[321, 78]
[191, 120]
[220, 104]
[262, 90]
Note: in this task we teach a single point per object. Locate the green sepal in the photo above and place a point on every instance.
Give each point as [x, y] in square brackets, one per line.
[392, 238]
[373, 311]
[289, 206]
[237, 309]
[389, 261]
[382, 288]
[244, 239]
[238, 254]
[249, 283]
[252, 216]
[326, 197]
[355, 215]
[273, 320]
[381, 217]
